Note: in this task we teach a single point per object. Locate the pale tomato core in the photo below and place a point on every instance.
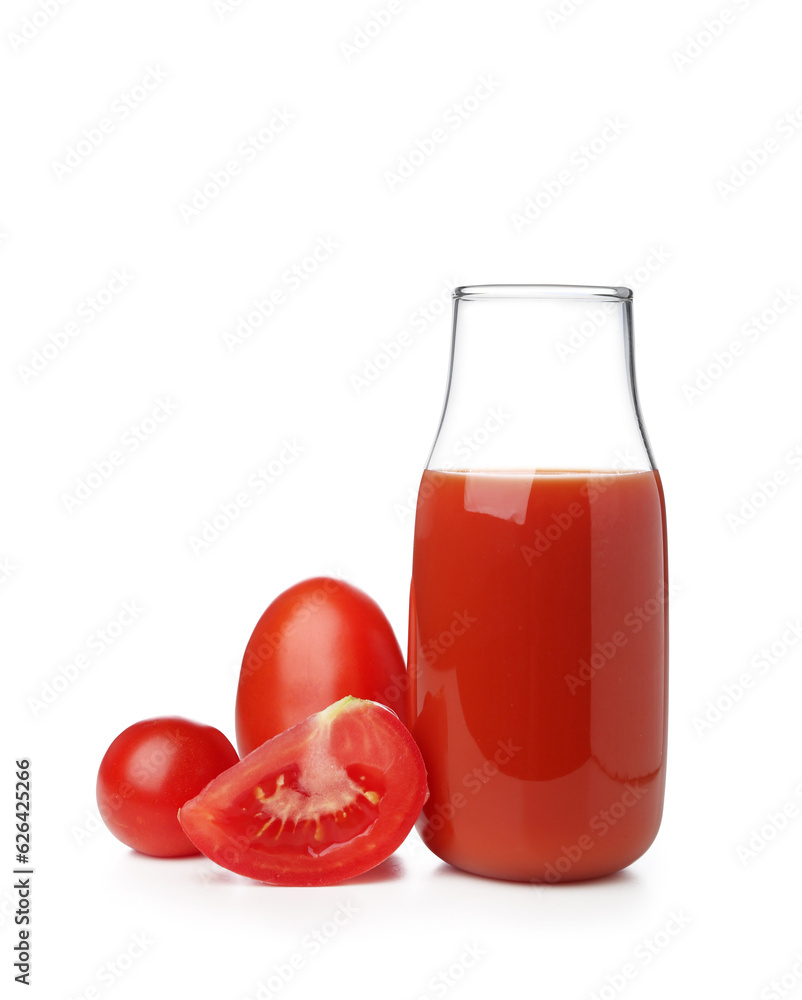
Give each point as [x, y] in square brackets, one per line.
[317, 802]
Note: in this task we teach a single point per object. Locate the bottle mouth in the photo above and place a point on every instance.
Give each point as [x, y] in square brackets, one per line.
[593, 293]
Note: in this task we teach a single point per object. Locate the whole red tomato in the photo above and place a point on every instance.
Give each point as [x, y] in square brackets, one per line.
[149, 772]
[318, 642]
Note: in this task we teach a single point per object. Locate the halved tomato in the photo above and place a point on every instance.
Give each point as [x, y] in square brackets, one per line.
[321, 802]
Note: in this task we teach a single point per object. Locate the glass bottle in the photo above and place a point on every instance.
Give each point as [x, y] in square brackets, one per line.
[538, 608]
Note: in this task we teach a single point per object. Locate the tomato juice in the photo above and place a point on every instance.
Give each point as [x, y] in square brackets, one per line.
[537, 669]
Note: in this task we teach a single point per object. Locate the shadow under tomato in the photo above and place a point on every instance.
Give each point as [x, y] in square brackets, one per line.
[388, 871]
[142, 869]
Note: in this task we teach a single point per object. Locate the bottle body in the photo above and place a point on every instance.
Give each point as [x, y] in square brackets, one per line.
[538, 662]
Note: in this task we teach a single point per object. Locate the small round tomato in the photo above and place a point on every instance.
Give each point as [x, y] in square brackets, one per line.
[317, 642]
[324, 801]
[150, 770]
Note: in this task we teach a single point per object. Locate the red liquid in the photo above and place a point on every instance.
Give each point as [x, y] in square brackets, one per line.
[537, 667]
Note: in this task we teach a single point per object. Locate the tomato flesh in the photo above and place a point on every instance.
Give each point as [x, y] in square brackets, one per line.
[310, 814]
[319, 641]
[306, 808]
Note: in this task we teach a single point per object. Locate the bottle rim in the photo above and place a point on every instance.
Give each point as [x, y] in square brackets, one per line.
[603, 293]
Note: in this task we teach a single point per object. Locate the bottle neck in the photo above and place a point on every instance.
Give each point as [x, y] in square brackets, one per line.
[540, 383]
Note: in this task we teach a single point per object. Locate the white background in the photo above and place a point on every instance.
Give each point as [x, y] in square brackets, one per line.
[651, 198]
